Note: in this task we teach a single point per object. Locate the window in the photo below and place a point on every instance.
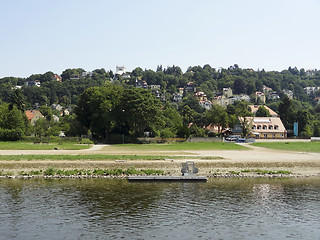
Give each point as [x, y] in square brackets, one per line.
[276, 127]
[265, 135]
[254, 127]
[264, 127]
[270, 127]
[259, 127]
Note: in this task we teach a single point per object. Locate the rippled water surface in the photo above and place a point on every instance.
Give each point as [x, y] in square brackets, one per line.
[116, 209]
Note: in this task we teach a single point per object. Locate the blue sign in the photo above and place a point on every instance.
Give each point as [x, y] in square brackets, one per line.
[295, 128]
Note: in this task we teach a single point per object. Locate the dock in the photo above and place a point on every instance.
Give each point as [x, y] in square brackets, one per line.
[168, 178]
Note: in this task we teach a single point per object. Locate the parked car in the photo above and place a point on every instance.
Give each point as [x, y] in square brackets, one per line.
[232, 138]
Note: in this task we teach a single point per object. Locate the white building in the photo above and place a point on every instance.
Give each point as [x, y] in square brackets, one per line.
[120, 70]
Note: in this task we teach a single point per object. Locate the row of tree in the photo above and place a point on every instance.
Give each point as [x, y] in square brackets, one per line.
[206, 78]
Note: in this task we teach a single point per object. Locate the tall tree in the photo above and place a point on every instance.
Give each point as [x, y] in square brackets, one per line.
[262, 112]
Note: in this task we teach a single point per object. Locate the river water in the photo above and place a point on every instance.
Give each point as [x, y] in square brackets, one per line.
[116, 209]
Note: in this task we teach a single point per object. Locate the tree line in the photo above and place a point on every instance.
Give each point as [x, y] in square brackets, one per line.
[105, 103]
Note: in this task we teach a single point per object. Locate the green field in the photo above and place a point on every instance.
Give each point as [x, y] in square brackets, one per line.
[50, 146]
[179, 146]
[291, 146]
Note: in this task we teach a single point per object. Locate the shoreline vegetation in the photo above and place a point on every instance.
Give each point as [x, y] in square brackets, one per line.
[214, 160]
[52, 173]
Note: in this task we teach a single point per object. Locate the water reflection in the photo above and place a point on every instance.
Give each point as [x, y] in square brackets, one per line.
[113, 209]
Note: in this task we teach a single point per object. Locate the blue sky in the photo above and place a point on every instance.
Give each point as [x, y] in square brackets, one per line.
[52, 35]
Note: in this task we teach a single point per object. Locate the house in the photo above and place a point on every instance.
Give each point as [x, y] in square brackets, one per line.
[154, 87]
[86, 74]
[227, 92]
[56, 107]
[191, 87]
[289, 93]
[254, 109]
[120, 70]
[263, 127]
[311, 72]
[33, 83]
[55, 118]
[75, 77]
[266, 89]
[267, 127]
[57, 78]
[181, 90]
[260, 96]
[201, 96]
[141, 84]
[33, 116]
[16, 87]
[221, 101]
[238, 98]
[205, 104]
[311, 90]
[317, 100]
[177, 97]
[273, 96]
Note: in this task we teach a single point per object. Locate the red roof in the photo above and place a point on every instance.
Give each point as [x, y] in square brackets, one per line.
[31, 113]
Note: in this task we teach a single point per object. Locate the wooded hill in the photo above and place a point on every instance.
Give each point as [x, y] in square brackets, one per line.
[68, 89]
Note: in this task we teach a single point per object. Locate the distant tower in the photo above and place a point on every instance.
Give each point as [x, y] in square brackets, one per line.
[120, 70]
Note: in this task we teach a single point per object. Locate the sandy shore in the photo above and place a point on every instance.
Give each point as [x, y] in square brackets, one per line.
[299, 163]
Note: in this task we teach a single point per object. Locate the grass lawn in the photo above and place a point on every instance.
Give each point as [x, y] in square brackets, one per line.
[99, 157]
[31, 146]
[179, 146]
[291, 146]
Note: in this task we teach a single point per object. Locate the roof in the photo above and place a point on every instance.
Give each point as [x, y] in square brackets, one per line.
[254, 109]
[267, 121]
[31, 113]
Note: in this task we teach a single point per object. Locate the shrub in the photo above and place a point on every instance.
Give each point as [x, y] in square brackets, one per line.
[49, 172]
[10, 134]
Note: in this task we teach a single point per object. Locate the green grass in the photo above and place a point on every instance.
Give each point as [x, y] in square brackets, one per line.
[99, 157]
[31, 146]
[106, 172]
[180, 146]
[291, 146]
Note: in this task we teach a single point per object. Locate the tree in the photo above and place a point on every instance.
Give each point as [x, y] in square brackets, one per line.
[262, 112]
[287, 112]
[46, 112]
[218, 116]
[242, 112]
[97, 109]
[239, 86]
[18, 99]
[137, 110]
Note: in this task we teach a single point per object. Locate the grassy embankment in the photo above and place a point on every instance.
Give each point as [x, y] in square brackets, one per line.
[149, 156]
[291, 146]
[184, 146]
[50, 146]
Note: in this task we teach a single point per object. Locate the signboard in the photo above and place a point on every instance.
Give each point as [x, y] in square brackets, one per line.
[295, 129]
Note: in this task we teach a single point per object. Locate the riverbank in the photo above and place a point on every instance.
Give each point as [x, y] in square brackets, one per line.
[251, 161]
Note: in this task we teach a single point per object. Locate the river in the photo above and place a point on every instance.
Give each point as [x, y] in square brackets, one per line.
[255, 208]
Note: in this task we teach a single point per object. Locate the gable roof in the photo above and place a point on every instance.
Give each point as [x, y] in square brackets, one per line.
[254, 109]
[31, 113]
[267, 121]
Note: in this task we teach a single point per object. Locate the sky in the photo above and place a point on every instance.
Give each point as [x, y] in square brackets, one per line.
[38, 36]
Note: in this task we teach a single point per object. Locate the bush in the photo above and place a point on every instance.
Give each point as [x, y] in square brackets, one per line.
[10, 134]
[49, 172]
[86, 141]
[166, 133]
